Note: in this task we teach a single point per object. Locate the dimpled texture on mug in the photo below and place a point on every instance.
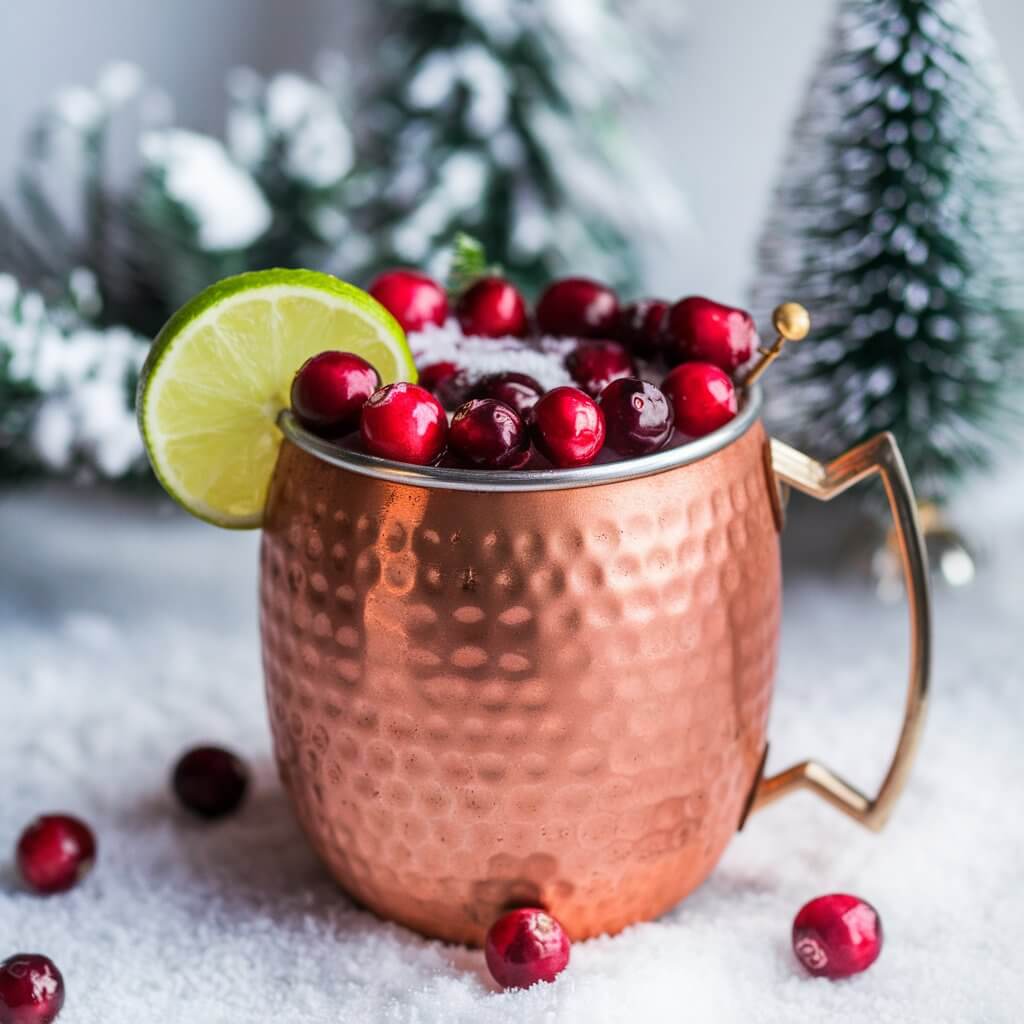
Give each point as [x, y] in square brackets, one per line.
[554, 698]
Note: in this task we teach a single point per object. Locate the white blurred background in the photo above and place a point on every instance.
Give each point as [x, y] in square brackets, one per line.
[129, 630]
[720, 116]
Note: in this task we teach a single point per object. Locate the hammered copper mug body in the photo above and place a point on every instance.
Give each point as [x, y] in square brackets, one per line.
[553, 691]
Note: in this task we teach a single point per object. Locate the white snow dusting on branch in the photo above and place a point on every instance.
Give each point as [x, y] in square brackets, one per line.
[219, 197]
[74, 381]
[295, 113]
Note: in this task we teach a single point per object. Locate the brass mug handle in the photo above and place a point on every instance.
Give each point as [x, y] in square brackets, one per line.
[882, 456]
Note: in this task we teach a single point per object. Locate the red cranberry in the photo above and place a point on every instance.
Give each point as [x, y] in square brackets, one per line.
[329, 391]
[454, 391]
[526, 946]
[640, 327]
[577, 307]
[705, 331]
[703, 397]
[595, 364]
[519, 390]
[448, 382]
[836, 936]
[637, 416]
[31, 989]
[489, 434]
[404, 422]
[434, 373]
[55, 852]
[210, 781]
[568, 427]
[412, 298]
[492, 308]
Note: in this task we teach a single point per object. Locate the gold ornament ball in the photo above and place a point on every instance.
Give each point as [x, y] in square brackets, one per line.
[792, 321]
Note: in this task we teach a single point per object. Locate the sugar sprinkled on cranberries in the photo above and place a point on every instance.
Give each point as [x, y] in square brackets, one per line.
[518, 390]
[525, 946]
[329, 390]
[703, 397]
[489, 434]
[638, 417]
[568, 427]
[492, 308]
[404, 422]
[577, 307]
[31, 989]
[595, 364]
[699, 329]
[838, 935]
[210, 781]
[412, 298]
[55, 852]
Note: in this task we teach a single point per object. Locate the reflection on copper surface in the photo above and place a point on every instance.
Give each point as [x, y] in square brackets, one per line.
[485, 699]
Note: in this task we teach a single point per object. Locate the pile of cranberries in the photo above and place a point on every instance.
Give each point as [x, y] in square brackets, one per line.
[507, 420]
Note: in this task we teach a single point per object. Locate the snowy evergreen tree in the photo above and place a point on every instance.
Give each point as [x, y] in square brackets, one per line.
[497, 117]
[899, 222]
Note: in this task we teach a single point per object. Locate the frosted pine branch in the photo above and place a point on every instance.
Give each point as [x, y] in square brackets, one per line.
[501, 119]
[66, 389]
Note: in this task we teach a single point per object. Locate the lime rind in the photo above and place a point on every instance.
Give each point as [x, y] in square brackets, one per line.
[227, 360]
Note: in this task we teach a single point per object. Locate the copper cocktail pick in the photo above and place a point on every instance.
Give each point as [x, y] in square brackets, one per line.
[793, 323]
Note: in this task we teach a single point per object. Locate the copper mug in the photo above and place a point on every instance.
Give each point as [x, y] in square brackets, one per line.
[544, 687]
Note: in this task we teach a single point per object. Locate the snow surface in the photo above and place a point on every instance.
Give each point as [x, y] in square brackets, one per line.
[129, 632]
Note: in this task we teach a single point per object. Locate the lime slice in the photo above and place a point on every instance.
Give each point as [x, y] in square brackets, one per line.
[221, 370]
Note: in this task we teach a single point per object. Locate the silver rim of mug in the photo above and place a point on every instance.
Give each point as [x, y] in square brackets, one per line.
[452, 479]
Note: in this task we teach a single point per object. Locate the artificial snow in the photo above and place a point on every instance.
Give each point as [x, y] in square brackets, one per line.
[475, 69]
[79, 378]
[52, 435]
[321, 147]
[119, 82]
[247, 136]
[128, 634]
[224, 204]
[79, 108]
[433, 81]
[293, 114]
[544, 360]
[532, 91]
